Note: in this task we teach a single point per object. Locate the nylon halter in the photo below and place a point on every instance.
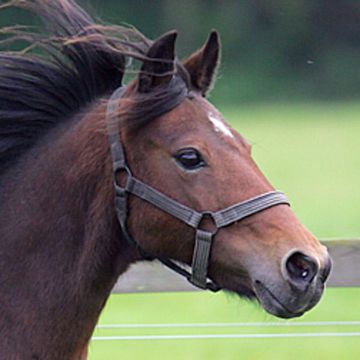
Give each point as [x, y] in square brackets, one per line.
[203, 239]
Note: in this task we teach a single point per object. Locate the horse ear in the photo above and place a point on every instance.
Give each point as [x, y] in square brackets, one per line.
[159, 69]
[202, 65]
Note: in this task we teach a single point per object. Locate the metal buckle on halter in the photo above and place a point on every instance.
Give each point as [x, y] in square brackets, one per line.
[121, 197]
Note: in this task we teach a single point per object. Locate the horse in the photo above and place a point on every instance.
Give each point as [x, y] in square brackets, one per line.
[97, 175]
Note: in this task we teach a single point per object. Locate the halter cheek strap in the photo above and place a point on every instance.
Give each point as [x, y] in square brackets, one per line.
[203, 239]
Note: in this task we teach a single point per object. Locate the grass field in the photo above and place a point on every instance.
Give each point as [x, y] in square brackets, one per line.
[312, 152]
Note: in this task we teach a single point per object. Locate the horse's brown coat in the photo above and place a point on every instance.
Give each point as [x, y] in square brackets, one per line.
[61, 247]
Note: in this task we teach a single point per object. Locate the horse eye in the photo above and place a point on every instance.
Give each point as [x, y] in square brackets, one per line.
[189, 159]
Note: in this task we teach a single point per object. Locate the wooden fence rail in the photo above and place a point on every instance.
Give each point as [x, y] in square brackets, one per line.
[153, 277]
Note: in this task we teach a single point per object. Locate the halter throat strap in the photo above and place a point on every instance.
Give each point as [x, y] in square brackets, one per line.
[203, 239]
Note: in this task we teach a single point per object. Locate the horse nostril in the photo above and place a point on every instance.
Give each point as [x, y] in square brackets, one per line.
[301, 268]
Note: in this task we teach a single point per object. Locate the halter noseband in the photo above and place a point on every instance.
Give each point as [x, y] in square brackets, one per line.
[203, 239]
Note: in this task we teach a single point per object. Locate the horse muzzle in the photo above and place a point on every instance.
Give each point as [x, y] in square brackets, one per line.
[300, 288]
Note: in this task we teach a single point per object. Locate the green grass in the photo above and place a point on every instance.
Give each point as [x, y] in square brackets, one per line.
[312, 152]
[337, 304]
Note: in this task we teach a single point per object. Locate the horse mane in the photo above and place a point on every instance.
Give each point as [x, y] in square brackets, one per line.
[60, 73]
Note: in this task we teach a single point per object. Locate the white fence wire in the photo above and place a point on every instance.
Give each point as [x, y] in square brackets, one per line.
[230, 325]
[224, 336]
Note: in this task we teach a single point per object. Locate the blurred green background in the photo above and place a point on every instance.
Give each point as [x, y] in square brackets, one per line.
[273, 50]
[290, 82]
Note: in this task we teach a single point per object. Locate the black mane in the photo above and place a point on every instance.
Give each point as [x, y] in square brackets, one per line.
[38, 91]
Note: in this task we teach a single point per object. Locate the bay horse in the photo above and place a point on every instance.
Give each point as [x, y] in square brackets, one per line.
[74, 141]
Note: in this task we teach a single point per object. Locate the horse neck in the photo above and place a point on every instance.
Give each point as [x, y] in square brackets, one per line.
[58, 219]
[84, 182]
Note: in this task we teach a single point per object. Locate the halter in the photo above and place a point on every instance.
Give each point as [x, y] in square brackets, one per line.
[203, 239]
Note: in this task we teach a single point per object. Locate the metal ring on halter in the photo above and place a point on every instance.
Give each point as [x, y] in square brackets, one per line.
[122, 169]
[211, 216]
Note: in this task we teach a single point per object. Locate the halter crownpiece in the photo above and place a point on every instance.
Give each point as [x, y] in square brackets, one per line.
[203, 239]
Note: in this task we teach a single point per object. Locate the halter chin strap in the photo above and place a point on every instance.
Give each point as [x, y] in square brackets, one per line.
[203, 239]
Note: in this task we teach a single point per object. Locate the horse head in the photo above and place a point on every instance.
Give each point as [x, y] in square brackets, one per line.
[188, 152]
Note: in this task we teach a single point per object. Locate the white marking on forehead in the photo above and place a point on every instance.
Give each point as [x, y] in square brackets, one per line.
[219, 125]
